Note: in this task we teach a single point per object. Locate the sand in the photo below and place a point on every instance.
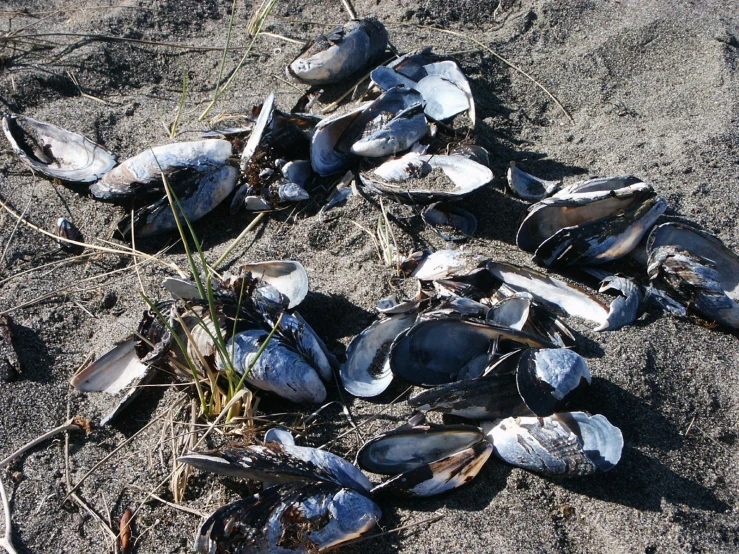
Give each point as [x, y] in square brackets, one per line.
[652, 89]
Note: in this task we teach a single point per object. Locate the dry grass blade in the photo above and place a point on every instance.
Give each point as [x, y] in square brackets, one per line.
[180, 107]
[121, 252]
[184, 509]
[349, 7]
[238, 239]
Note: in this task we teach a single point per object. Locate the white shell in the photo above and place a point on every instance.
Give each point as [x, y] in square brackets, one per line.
[288, 277]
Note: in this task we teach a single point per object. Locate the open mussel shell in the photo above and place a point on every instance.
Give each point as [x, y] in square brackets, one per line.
[493, 395]
[590, 224]
[426, 178]
[366, 372]
[450, 221]
[698, 269]
[288, 277]
[427, 266]
[324, 157]
[408, 448]
[141, 176]
[442, 84]
[391, 123]
[333, 57]
[548, 378]
[552, 292]
[439, 476]
[438, 351]
[280, 463]
[562, 444]
[196, 198]
[526, 186]
[278, 369]
[288, 518]
[55, 152]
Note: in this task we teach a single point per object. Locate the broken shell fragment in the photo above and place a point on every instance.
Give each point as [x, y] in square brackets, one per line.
[698, 269]
[55, 152]
[528, 187]
[562, 444]
[627, 306]
[288, 518]
[333, 57]
[141, 176]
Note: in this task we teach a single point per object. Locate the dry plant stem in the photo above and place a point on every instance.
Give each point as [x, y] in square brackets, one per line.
[238, 239]
[7, 542]
[68, 426]
[109, 456]
[178, 507]
[505, 61]
[129, 252]
[349, 9]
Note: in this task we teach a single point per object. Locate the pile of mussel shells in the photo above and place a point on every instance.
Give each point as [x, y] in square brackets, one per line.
[177, 333]
[396, 140]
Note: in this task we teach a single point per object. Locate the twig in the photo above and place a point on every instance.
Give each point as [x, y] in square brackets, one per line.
[7, 542]
[505, 61]
[238, 239]
[378, 535]
[68, 426]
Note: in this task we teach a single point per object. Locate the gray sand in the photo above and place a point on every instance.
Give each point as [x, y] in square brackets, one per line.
[653, 88]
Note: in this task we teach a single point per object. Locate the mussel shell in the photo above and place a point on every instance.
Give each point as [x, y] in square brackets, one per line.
[280, 463]
[278, 369]
[55, 152]
[441, 215]
[205, 192]
[265, 116]
[324, 157]
[66, 231]
[333, 57]
[288, 518]
[526, 186]
[288, 277]
[405, 449]
[562, 444]
[366, 372]
[410, 177]
[439, 476]
[549, 291]
[547, 379]
[590, 223]
[626, 307]
[437, 351]
[141, 176]
[491, 396]
[698, 268]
